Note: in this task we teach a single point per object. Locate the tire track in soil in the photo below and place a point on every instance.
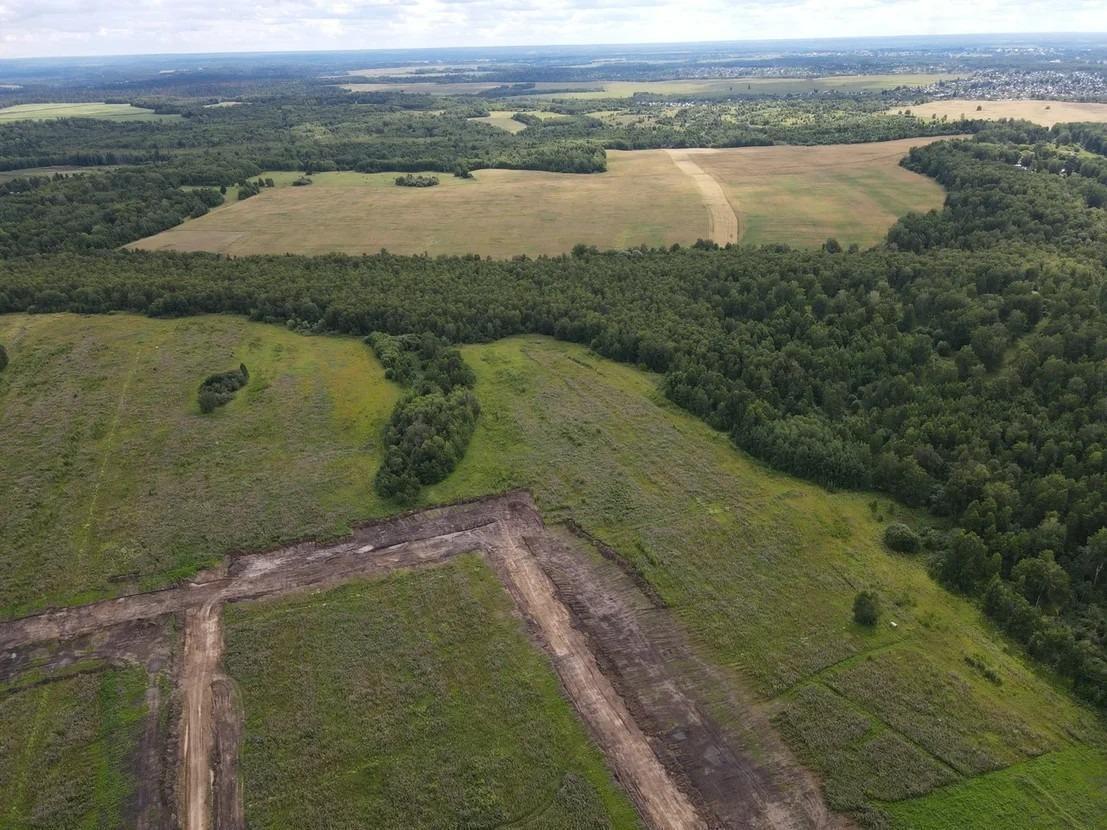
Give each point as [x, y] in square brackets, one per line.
[722, 223]
[666, 782]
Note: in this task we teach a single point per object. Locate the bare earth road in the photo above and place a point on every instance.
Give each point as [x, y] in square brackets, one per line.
[679, 769]
[722, 223]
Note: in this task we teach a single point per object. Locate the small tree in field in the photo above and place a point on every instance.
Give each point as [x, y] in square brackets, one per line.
[900, 538]
[866, 608]
[3, 358]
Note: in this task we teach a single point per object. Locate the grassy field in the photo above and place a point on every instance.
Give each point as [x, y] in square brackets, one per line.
[412, 701]
[760, 568]
[102, 434]
[110, 112]
[503, 120]
[642, 199]
[1047, 113]
[795, 195]
[803, 195]
[66, 750]
[698, 87]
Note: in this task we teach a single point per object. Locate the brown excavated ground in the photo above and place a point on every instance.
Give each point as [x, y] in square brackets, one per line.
[622, 662]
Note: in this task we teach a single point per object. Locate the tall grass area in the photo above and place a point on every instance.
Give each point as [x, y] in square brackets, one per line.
[112, 479]
[411, 701]
[762, 569]
[67, 750]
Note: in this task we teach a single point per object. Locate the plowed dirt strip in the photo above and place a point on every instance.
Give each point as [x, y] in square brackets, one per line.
[722, 223]
[203, 650]
[628, 751]
[668, 788]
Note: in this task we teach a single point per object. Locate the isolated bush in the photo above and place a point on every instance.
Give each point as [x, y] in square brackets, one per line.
[217, 390]
[866, 608]
[412, 180]
[900, 538]
[3, 358]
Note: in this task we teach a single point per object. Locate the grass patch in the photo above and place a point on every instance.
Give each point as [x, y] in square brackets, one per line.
[107, 112]
[103, 434]
[411, 701]
[66, 750]
[1058, 791]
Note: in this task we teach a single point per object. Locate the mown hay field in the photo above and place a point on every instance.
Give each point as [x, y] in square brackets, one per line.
[793, 195]
[109, 112]
[1046, 113]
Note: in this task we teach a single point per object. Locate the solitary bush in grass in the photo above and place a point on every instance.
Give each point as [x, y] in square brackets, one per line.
[219, 389]
[900, 538]
[412, 180]
[866, 608]
[3, 358]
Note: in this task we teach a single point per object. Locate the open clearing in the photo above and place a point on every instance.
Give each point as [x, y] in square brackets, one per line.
[110, 112]
[710, 87]
[792, 195]
[758, 568]
[1046, 113]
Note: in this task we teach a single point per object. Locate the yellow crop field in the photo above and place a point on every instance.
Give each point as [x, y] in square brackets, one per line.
[1046, 113]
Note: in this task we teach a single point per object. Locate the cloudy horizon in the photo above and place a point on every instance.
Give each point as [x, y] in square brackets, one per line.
[56, 28]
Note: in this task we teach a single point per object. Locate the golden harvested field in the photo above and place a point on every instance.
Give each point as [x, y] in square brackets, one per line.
[803, 195]
[796, 195]
[1046, 113]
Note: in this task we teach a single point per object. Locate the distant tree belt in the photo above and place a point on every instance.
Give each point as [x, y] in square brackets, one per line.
[961, 367]
[316, 130]
[430, 428]
[43, 214]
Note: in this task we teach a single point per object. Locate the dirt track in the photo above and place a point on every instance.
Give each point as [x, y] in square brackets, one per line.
[722, 222]
[678, 767]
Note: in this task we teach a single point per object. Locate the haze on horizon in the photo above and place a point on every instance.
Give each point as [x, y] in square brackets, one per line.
[56, 28]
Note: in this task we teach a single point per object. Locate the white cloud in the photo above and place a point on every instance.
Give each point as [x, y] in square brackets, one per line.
[56, 27]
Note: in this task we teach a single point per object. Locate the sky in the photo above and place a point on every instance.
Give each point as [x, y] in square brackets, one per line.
[47, 28]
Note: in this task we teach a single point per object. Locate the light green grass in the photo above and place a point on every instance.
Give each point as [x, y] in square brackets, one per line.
[109, 112]
[762, 570]
[412, 701]
[66, 751]
[1059, 791]
[112, 479]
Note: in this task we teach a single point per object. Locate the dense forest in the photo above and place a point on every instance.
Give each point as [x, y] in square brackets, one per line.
[961, 366]
[326, 128]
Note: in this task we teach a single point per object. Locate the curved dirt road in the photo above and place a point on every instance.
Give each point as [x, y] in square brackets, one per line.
[722, 222]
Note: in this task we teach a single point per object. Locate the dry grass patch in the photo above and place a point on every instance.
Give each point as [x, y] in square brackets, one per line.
[803, 195]
[1046, 113]
[796, 195]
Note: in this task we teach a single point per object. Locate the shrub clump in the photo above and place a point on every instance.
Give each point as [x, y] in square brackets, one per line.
[217, 390]
[413, 180]
[900, 538]
[866, 608]
[430, 427]
[3, 358]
